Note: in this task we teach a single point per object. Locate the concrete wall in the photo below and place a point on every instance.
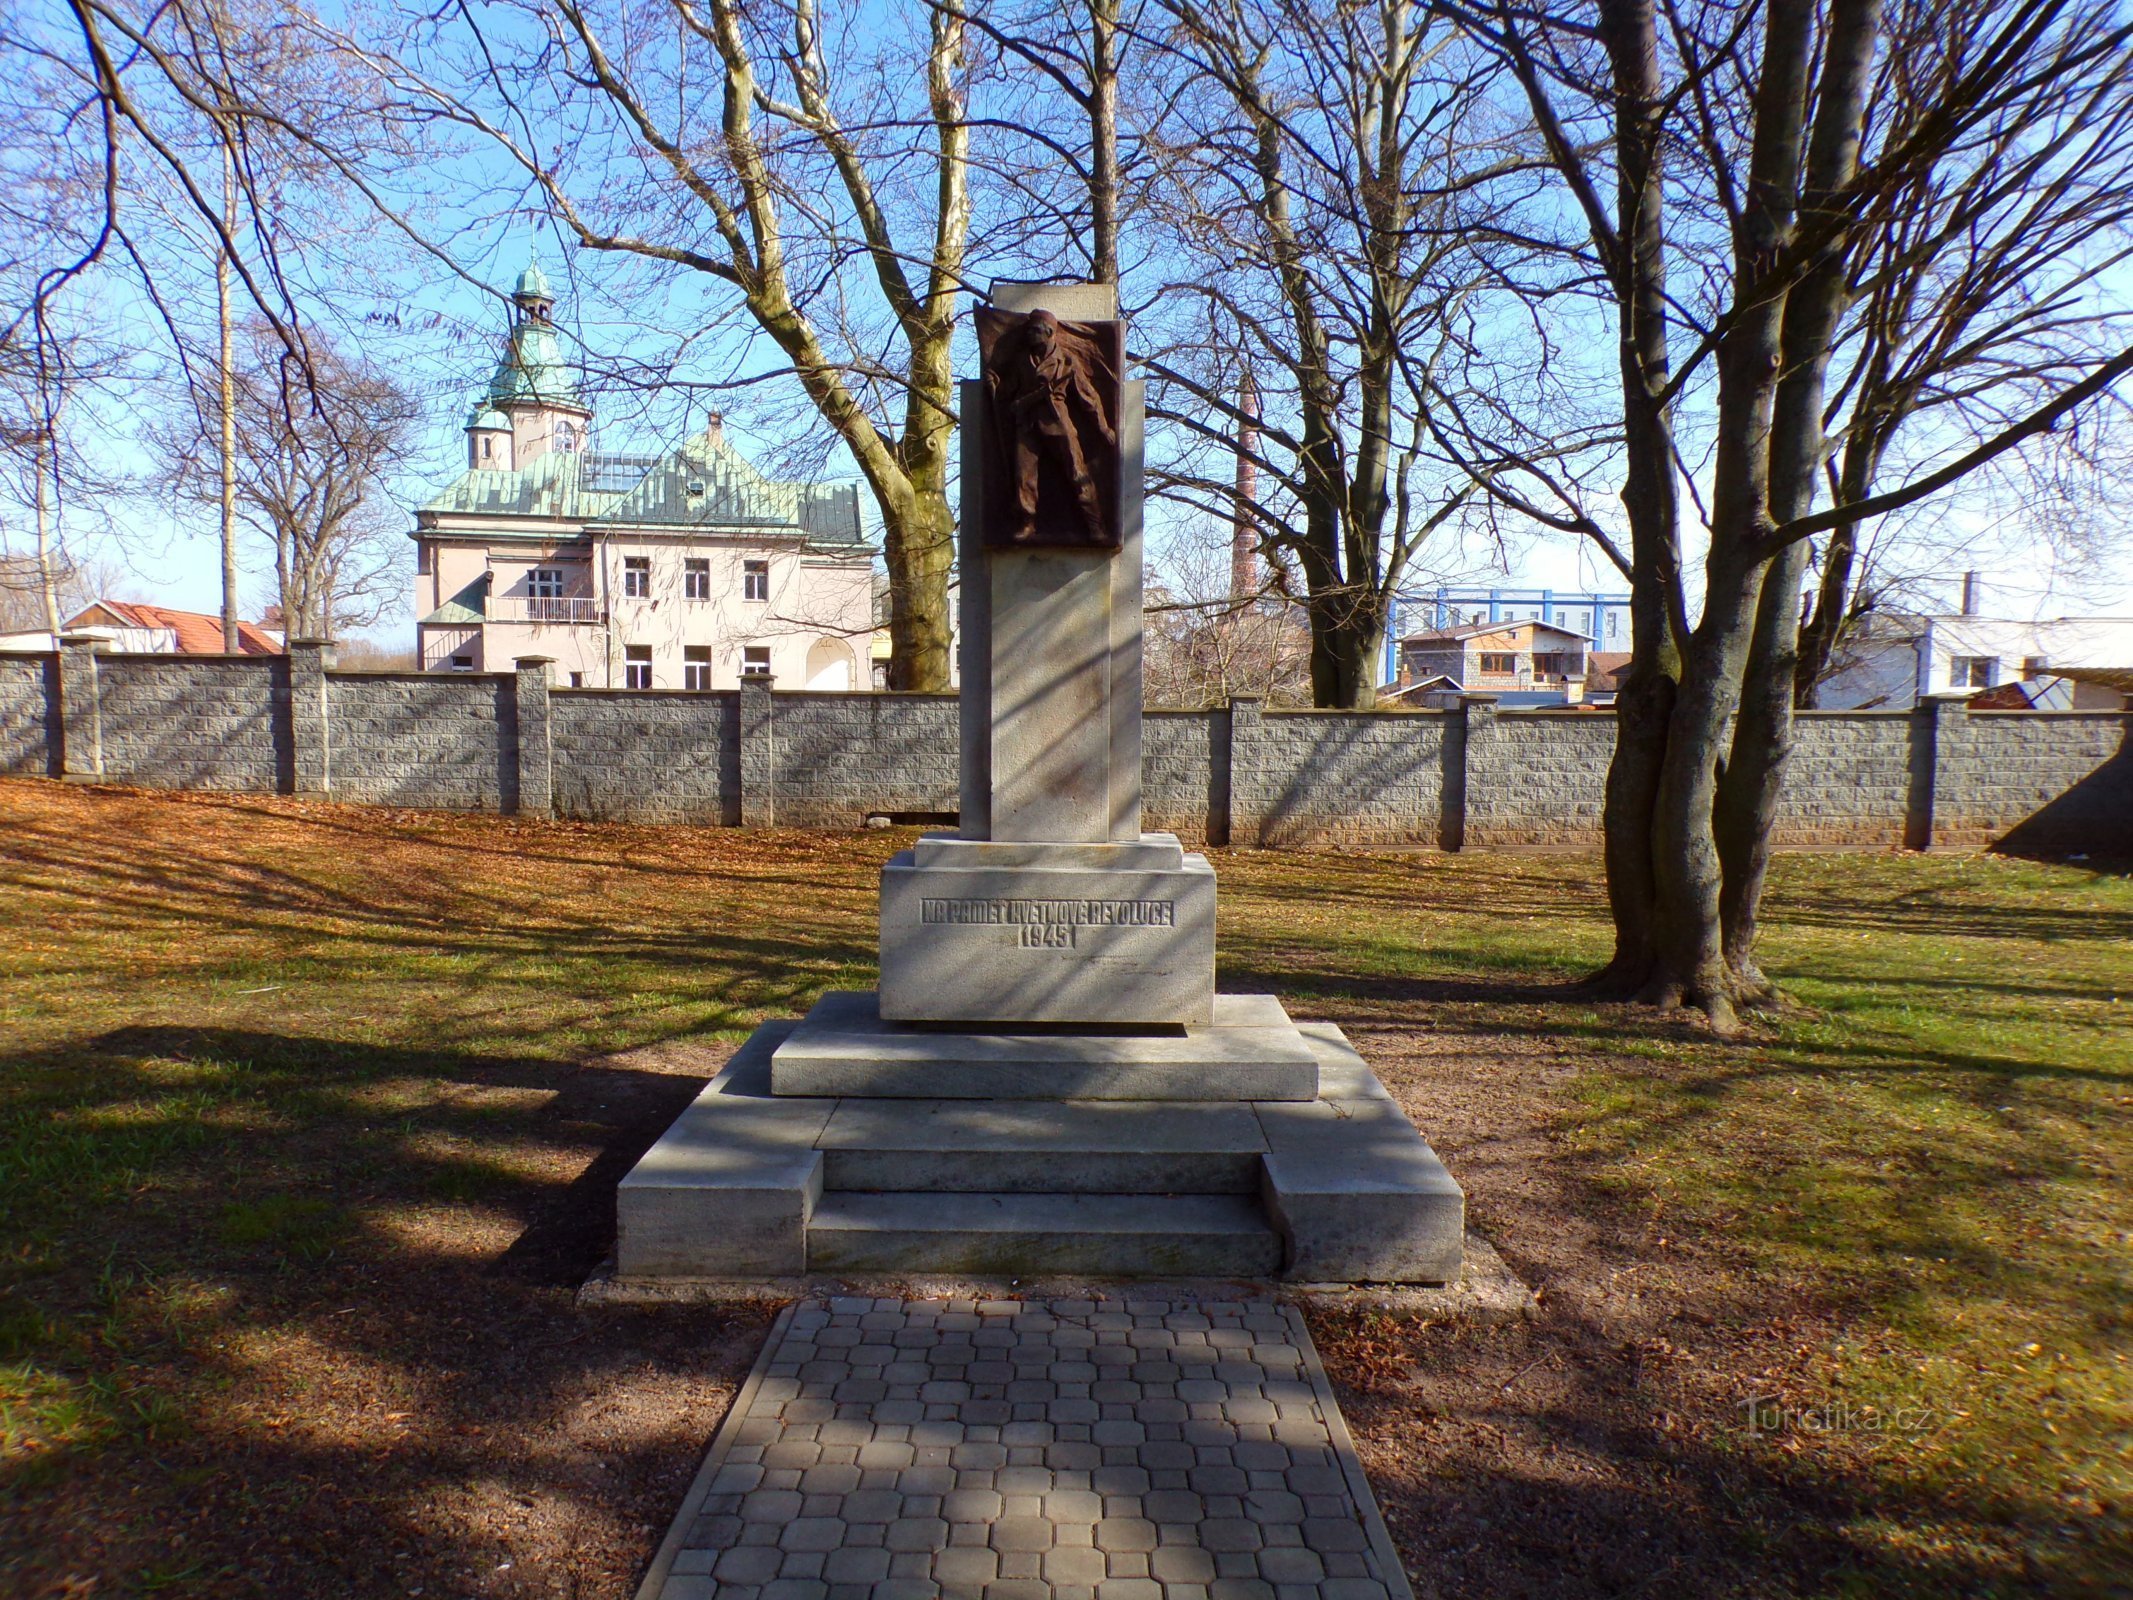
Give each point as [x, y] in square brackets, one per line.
[1302, 777]
[29, 716]
[649, 756]
[1185, 774]
[1849, 779]
[194, 722]
[423, 739]
[1475, 777]
[840, 757]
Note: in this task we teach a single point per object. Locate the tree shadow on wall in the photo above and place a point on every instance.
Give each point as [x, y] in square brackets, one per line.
[2092, 822]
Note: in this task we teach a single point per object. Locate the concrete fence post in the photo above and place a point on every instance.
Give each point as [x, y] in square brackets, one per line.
[1937, 729]
[536, 735]
[1470, 773]
[1244, 817]
[310, 740]
[759, 754]
[81, 709]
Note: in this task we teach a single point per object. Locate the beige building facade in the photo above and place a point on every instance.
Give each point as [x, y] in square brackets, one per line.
[1522, 662]
[687, 569]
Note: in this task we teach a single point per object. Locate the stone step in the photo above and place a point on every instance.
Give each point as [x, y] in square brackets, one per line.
[1251, 1051]
[1042, 1146]
[1020, 1235]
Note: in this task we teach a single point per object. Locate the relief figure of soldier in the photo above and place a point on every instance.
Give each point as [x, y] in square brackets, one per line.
[1053, 393]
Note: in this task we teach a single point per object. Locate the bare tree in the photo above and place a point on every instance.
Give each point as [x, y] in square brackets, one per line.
[1979, 294]
[1778, 188]
[823, 183]
[1072, 174]
[1207, 644]
[1323, 171]
[318, 441]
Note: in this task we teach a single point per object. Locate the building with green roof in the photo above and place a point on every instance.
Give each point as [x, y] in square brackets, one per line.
[684, 569]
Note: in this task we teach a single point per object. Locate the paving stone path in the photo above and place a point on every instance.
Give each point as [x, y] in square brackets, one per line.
[1042, 1450]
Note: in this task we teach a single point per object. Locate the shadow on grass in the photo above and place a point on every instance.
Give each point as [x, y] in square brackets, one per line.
[304, 1306]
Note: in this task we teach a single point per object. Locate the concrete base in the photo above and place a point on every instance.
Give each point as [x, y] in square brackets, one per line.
[1110, 935]
[748, 1184]
[1129, 1235]
[1252, 1051]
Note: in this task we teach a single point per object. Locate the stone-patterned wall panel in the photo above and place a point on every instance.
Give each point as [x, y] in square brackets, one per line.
[1539, 778]
[646, 756]
[2053, 782]
[194, 722]
[1321, 777]
[1179, 771]
[442, 740]
[1848, 780]
[843, 757]
[29, 716]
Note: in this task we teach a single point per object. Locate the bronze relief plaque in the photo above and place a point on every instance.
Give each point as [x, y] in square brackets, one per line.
[1054, 391]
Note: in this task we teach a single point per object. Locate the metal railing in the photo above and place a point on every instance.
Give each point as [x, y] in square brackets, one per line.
[546, 608]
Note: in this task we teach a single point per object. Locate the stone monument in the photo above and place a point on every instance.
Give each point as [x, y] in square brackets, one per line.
[1046, 1079]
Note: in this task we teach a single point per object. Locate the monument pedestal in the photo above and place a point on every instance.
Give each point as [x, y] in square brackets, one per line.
[1047, 1081]
[1249, 1051]
[751, 1183]
[977, 931]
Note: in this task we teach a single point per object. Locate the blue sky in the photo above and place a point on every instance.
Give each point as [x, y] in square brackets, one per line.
[439, 333]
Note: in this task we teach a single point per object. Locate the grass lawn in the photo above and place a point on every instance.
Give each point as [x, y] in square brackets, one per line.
[310, 1118]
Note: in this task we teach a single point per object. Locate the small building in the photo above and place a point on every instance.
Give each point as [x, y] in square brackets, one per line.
[131, 627]
[1522, 663]
[1601, 616]
[1892, 660]
[681, 569]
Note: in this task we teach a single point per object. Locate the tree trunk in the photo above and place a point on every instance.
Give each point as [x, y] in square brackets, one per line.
[231, 639]
[1747, 800]
[918, 548]
[1690, 966]
[1347, 641]
[1748, 794]
[1103, 139]
[1836, 596]
[47, 567]
[1644, 704]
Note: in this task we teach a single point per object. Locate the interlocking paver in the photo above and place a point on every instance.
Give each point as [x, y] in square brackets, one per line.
[1009, 1450]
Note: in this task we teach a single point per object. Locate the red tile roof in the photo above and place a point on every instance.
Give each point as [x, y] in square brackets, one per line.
[198, 634]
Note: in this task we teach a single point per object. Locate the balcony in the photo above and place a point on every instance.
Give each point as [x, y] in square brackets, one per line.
[564, 610]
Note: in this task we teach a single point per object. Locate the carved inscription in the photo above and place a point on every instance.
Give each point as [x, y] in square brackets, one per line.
[1050, 924]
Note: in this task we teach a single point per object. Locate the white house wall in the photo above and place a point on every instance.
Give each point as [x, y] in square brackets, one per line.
[813, 601]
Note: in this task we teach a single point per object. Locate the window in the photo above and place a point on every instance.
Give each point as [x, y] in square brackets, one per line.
[696, 667]
[577, 680]
[755, 580]
[2034, 667]
[566, 437]
[637, 666]
[1973, 672]
[545, 583]
[1498, 663]
[1614, 624]
[462, 663]
[696, 579]
[755, 661]
[637, 577]
[488, 446]
[423, 559]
